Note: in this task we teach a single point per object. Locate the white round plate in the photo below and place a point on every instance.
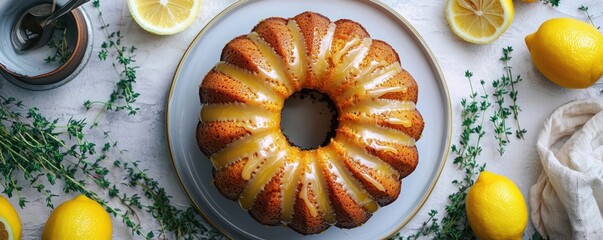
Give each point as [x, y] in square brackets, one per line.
[195, 170]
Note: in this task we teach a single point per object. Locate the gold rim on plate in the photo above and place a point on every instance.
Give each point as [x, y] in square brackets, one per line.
[385, 7]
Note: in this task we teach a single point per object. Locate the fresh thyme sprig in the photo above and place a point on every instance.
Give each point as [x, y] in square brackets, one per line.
[503, 87]
[454, 224]
[554, 3]
[513, 92]
[59, 44]
[537, 236]
[123, 96]
[41, 152]
[431, 225]
[501, 113]
[590, 17]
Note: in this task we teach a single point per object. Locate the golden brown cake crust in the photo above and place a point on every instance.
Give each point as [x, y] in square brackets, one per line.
[219, 88]
[243, 53]
[345, 31]
[229, 181]
[266, 208]
[313, 27]
[349, 213]
[309, 23]
[303, 221]
[339, 184]
[212, 136]
[274, 31]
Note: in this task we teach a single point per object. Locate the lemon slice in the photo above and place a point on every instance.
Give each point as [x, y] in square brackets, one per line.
[6, 232]
[479, 21]
[164, 17]
[10, 224]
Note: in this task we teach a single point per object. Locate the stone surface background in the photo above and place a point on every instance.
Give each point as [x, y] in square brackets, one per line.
[158, 56]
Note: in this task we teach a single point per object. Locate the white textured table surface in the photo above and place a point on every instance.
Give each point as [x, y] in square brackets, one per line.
[144, 134]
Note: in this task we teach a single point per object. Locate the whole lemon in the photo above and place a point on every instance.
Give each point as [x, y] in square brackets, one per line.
[80, 218]
[495, 208]
[568, 52]
[10, 224]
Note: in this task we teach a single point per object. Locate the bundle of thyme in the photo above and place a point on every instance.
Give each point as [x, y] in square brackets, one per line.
[43, 153]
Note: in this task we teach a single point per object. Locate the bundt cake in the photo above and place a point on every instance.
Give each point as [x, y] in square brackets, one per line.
[341, 183]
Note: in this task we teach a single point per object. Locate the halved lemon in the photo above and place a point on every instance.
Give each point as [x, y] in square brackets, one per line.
[164, 17]
[6, 232]
[10, 224]
[479, 21]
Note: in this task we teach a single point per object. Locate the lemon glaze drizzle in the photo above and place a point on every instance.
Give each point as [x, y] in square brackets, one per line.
[273, 163]
[359, 155]
[313, 180]
[380, 106]
[345, 179]
[369, 80]
[348, 60]
[368, 110]
[299, 66]
[291, 176]
[383, 134]
[277, 72]
[239, 113]
[320, 64]
[244, 147]
[258, 86]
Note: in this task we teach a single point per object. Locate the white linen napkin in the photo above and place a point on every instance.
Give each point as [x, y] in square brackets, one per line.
[567, 200]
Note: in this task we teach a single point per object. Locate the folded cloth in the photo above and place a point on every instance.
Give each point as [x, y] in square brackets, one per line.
[567, 200]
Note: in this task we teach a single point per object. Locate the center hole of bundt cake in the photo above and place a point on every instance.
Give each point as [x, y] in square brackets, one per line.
[309, 119]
